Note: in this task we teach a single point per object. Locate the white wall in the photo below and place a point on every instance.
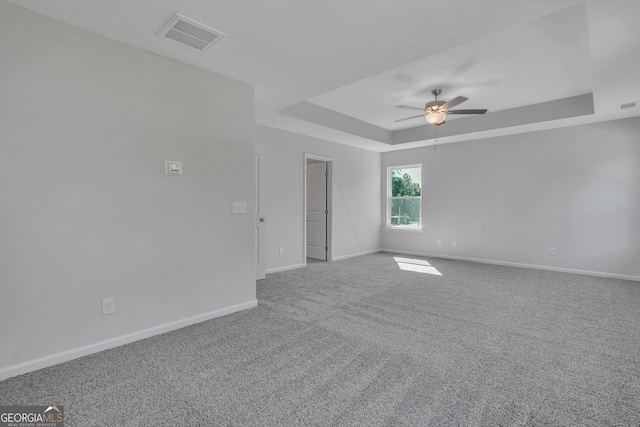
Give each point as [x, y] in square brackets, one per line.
[355, 198]
[87, 213]
[510, 199]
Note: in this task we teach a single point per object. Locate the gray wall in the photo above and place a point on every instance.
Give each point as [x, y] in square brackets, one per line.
[355, 198]
[510, 199]
[87, 213]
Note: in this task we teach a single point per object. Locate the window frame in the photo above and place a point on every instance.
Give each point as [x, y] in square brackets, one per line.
[390, 199]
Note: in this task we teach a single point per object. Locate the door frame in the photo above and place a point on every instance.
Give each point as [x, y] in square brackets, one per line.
[259, 151]
[329, 162]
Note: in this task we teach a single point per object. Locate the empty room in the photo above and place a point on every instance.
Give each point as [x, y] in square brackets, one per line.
[340, 213]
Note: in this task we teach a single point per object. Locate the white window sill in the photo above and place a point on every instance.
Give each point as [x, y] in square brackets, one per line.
[404, 229]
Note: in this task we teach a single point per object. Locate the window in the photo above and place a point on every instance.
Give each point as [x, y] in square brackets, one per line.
[404, 189]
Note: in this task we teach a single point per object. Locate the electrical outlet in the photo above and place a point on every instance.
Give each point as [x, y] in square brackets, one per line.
[552, 250]
[239, 207]
[281, 252]
[108, 306]
[439, 242]
[453, 243]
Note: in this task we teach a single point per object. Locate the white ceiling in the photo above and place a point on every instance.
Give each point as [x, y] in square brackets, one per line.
[336, 69]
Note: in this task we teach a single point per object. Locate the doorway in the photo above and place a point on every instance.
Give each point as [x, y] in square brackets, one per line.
[317, 221]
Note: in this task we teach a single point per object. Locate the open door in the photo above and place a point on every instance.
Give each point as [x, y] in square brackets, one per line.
[317, 207]
[317, 210]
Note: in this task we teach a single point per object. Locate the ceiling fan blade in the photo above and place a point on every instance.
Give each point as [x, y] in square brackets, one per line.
[409, 106]
[407, 118]
[466, 111]
[455, 101]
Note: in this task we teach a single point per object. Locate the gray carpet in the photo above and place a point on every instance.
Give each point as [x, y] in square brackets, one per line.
[362, 342]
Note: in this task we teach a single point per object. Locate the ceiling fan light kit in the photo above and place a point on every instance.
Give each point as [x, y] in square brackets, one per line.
[435, 117]
[435, 112]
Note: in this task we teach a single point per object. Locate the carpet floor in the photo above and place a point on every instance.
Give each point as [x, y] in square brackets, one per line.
[378, 340]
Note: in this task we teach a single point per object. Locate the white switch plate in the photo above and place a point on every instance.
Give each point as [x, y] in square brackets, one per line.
[552, 250]
[453, 243]
[239, 207]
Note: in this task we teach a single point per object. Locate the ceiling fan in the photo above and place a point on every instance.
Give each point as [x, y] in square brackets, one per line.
[435, 112]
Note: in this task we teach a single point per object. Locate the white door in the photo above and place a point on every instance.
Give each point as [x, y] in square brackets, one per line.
[317, 210]
[260, 221]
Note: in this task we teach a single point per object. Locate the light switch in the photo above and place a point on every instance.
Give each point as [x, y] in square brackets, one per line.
[171, 167]
[239, 207]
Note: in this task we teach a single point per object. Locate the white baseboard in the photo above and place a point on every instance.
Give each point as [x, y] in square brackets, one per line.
[64, 356]
[285, 268]
[337, 258]
[516, 264]
[341, 257]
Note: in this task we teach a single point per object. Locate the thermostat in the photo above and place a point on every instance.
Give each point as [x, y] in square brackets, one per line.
[172, 167]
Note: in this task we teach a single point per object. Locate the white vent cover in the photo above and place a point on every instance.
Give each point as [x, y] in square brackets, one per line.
[627, 105]
[192, 33]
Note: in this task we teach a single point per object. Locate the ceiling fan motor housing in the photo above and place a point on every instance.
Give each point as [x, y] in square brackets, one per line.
[434, 106]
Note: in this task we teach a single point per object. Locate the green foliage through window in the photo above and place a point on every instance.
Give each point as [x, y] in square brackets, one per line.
[405, 198]
[402, 183]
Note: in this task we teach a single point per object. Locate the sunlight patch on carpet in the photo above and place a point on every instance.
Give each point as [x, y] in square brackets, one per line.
[416, 265]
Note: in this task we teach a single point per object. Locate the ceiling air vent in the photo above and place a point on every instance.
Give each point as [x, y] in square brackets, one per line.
[628, 105]
[191, 33]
